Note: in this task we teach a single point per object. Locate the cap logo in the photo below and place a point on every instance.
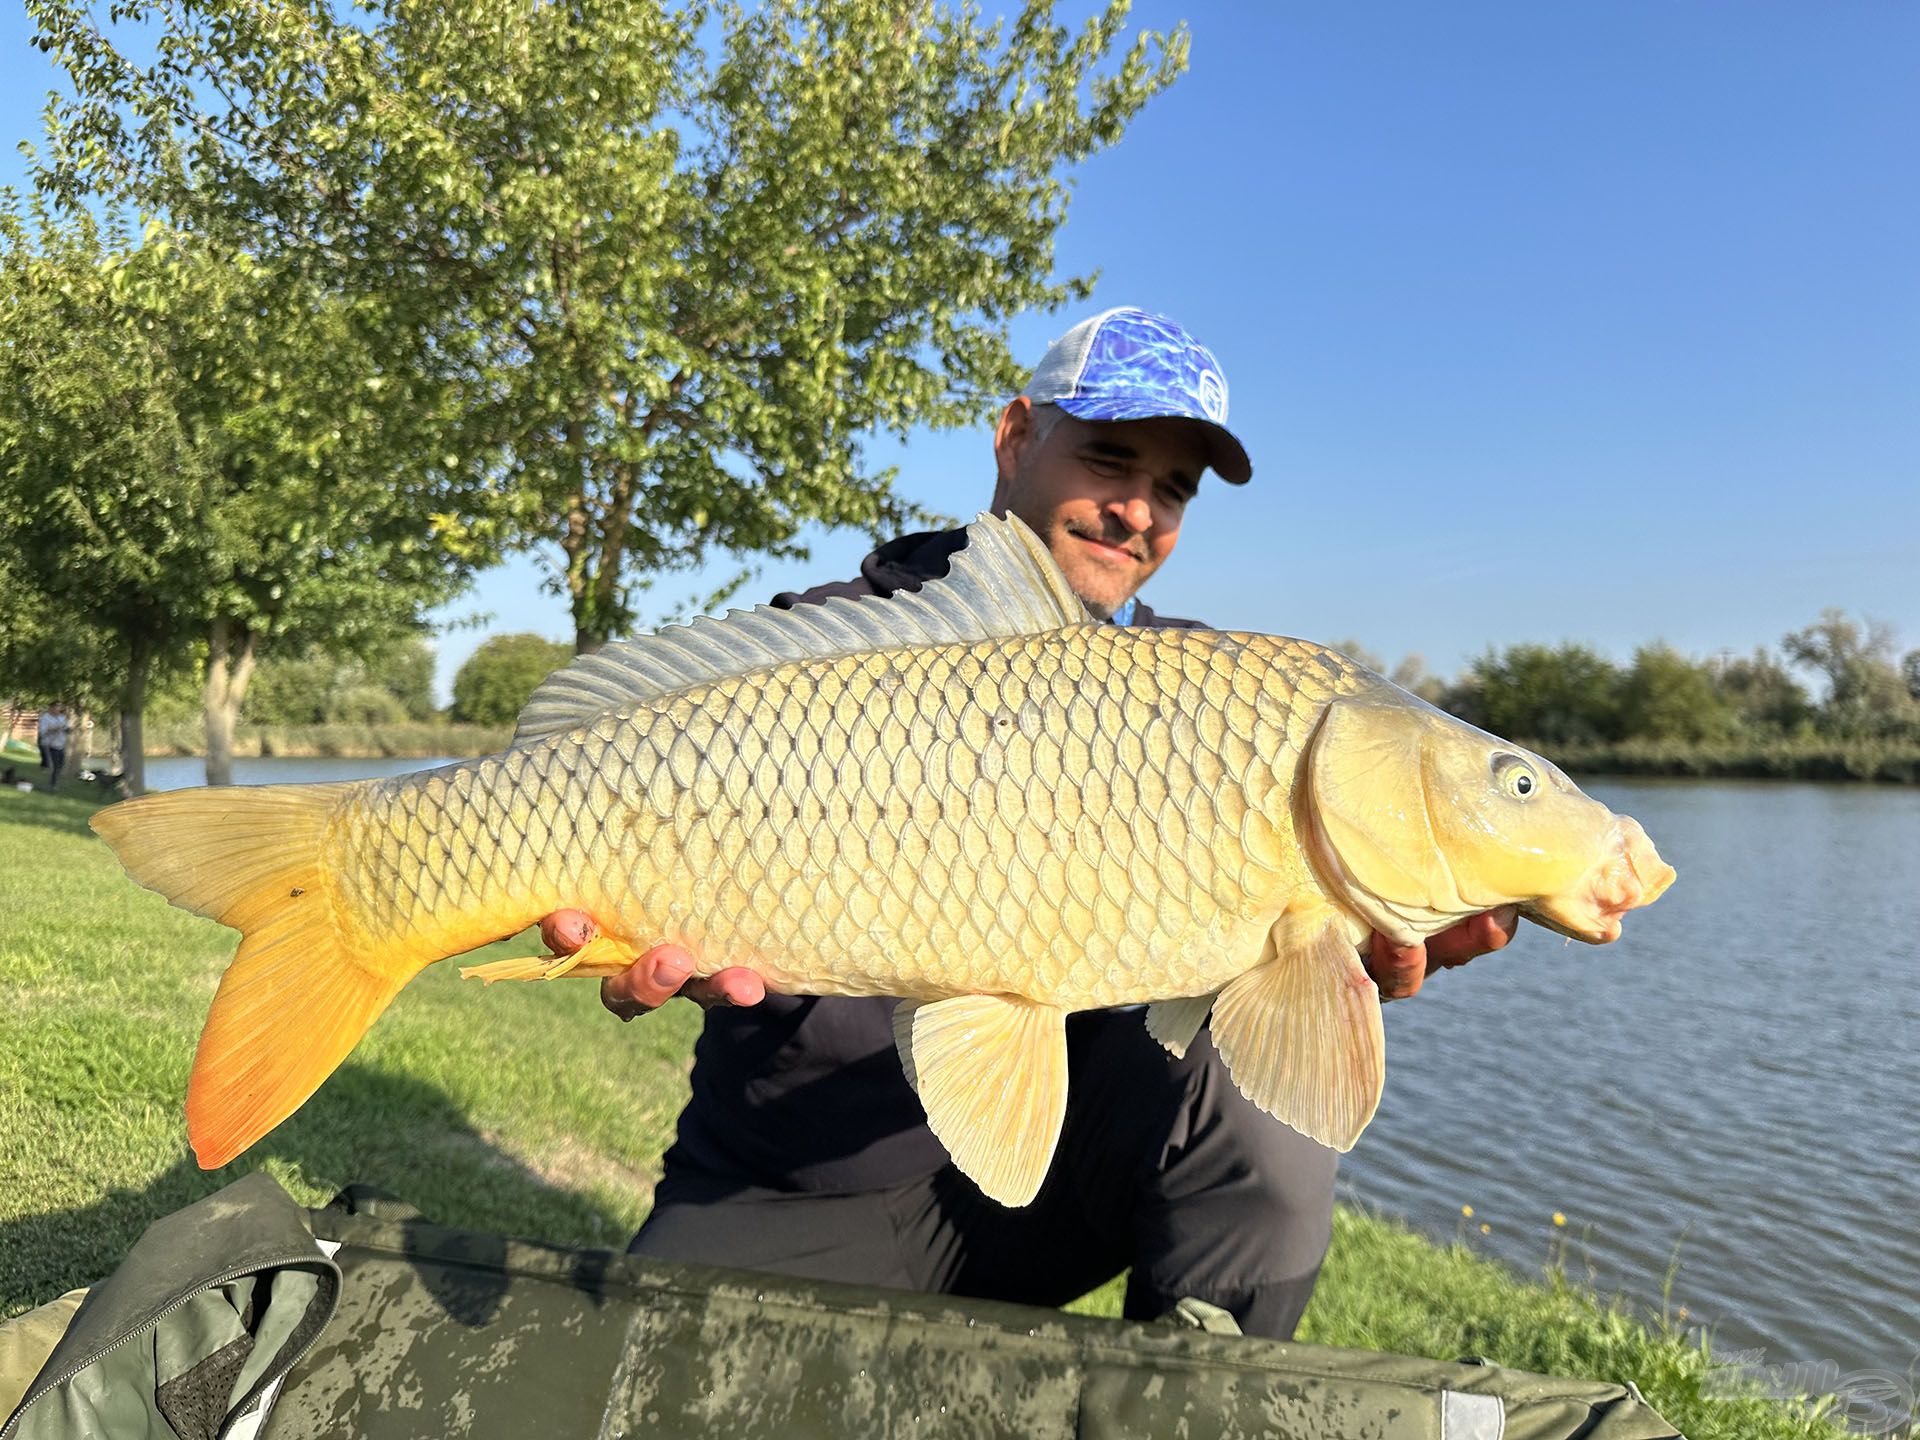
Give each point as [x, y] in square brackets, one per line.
[1213, 396]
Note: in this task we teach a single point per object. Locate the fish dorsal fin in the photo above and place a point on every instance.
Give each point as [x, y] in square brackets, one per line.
[1005, 582]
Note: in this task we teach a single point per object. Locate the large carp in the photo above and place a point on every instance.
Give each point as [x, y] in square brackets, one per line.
[971, 797]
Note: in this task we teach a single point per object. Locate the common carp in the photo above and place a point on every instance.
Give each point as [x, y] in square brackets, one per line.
[970, 797]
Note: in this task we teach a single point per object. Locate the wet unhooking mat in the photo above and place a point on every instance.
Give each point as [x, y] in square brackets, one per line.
[245, 1316]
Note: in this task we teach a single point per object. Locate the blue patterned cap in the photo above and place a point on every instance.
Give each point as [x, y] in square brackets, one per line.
[1130, 365]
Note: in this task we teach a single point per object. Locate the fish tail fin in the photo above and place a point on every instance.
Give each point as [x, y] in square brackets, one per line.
[302, 988]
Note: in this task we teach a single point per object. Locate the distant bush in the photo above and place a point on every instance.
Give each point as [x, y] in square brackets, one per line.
[1783, 759]
[498, 678]
[366, 705]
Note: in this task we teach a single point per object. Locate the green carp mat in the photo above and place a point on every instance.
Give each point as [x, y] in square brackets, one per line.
[245, 1317]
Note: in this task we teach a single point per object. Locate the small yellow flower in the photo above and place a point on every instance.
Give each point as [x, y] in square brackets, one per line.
[1486, 1229]
[1467, 1210]
[1558, 1218]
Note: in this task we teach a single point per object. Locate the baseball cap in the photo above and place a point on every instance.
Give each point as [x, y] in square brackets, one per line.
[1130, 364]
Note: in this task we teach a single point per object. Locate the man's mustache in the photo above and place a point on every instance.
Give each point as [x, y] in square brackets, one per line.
[1123, 540]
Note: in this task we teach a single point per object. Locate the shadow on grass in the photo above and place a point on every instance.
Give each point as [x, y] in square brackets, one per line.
[67, 809]
[392, 1132]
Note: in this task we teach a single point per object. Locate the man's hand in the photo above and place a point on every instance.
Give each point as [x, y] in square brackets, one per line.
[1399, 970]
[660, 974]
[656, 977]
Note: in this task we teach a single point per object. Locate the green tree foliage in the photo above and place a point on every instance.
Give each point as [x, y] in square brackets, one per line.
[196, 457]
[1867, 696]
[100, 475]
[1765, 698]
[392, 683]
[1666, 696]
[496, 681]
[1564, 694]
[675, 262]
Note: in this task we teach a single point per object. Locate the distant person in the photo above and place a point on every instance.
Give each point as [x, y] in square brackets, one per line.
[804, 1151]
[54, 729]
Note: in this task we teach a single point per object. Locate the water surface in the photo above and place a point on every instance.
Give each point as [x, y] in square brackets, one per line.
[1732, 1088]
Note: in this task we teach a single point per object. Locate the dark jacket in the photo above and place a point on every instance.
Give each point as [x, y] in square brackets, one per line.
[806, 1093]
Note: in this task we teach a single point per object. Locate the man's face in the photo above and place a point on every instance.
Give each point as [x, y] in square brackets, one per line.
[1107, 497]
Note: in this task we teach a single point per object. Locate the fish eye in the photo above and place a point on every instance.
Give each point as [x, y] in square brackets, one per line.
[1515, 776]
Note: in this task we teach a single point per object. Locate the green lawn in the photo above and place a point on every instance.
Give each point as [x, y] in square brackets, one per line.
[527, 1109]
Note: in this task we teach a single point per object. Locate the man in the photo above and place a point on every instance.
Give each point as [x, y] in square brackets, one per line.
[803, 1150]
[53, 730]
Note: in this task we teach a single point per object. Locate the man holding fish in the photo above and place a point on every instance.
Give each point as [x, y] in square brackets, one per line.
[989, 821]
[803, 1149]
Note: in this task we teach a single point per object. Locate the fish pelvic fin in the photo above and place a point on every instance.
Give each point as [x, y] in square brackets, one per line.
[1301, 1033]
[302, 988]
[991, 1071]
[1174, 1023]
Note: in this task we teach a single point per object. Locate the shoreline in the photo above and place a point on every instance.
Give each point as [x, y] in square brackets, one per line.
[1871, 762]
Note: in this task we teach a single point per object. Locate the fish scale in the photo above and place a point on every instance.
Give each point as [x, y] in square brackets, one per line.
[1093, 816]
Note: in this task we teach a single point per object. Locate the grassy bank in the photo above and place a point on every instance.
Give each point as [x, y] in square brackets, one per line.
[552, 1125]
[400, 742]
[1887, 762]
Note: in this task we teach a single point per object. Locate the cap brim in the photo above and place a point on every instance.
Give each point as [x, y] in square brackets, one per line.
[1225, 455]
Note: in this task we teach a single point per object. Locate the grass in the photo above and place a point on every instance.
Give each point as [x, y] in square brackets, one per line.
[527, 1110]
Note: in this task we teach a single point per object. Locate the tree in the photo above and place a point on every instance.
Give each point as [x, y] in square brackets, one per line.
[495, 683]
[1764, 697]
[1666, 696]
[1412, 674]
[1566, 694]
[99, 477]
[678, 261]
[1866, 693]
[197, 458]
[392, 683]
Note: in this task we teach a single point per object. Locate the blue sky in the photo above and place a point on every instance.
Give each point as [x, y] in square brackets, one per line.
[1591, 321]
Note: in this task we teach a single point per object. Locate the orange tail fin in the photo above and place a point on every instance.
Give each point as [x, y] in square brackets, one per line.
[298, 995]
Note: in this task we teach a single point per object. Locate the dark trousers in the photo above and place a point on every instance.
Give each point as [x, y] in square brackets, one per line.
[1163, 1166]
[56, 757]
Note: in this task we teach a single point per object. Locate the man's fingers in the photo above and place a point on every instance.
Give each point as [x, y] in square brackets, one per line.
[663, 972]
[565, 931]
[648, 983]
[1481, 935]
[732, 986]
[1397, 969]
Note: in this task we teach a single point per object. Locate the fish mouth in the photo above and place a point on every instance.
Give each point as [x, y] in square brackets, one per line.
[1630, 875]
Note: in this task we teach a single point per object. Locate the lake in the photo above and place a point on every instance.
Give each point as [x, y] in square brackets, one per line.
[1731, 1090]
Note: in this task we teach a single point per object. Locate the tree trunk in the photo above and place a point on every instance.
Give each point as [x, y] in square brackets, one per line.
[230, 651]
[133, 704]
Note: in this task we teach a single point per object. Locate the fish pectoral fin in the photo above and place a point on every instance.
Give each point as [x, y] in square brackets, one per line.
[1174, 1023]
[1301, 1033]
[991, 1071]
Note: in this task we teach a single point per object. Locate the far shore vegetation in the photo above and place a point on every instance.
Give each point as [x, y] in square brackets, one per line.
[555, 1130]
[1662, 714]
